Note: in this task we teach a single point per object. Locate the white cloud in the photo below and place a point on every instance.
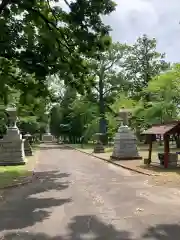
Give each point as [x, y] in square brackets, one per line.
[157, 18]
[127, 6]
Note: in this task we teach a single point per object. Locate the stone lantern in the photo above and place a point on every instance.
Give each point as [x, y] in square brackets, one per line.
[125, 142]
[12, 144]
[27, 146]
[12, 130]
[98, 147]
[47, 137]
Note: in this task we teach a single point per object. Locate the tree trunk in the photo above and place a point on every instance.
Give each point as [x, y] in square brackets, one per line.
[102, 118]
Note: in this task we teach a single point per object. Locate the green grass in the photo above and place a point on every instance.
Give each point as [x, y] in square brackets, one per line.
[90, 147]
[143, 149]
[11, 175]
[108, 149]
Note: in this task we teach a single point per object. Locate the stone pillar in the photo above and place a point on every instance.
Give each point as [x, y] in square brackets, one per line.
[125, 142]
[27, 146]
[12, 145]
[98, 147]
[47, 137]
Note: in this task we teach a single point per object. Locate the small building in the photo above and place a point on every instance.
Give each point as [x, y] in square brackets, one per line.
[166, 131]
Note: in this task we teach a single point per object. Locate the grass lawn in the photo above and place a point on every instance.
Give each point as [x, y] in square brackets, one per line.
[84, 146]
[11, 175]
[143, 151]
[89, 147]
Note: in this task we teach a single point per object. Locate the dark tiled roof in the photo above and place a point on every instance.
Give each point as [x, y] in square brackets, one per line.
[162, 129]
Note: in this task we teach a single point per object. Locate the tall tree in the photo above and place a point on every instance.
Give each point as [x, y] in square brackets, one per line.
[84, 115]
[143, 62]
[44, 39]
[12, 78]
[55, 120]
[108, 79]
[164, 90]
[163, 105]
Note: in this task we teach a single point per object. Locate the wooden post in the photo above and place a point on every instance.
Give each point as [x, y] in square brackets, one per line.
[150, 148]
[166, 151]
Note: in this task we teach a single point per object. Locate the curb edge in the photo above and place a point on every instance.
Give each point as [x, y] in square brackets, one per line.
[111, 162]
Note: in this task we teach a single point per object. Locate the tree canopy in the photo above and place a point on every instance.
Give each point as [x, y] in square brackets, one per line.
[143, 63]
[42, 39]
[120, 81]
[64, 61]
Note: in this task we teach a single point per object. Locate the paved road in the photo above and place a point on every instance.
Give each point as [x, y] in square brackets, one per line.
[77, 197]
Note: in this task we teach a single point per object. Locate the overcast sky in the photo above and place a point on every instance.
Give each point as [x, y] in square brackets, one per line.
[156, 18]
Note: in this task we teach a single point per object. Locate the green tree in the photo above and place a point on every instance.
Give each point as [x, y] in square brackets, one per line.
[163, 105]
[108, 80]
[3, 120]
[65, 123]
[164, 90]
[123, 101]
[14, 83]
[32, 115]
[143, 63]
[29, 124]
[84, 114]
[44, 39]
[55, 120]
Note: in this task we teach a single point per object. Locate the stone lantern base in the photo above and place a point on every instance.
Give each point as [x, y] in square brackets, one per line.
[125, 146]
[47, 137]
[98, 148]
[12, 148]
[12, 152]
[27, 148]
[12, 145]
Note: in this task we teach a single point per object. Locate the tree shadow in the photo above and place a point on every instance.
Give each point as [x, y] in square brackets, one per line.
[29, 236]
[163, 232]
[80, 228]
[30, 204]
[90, 227]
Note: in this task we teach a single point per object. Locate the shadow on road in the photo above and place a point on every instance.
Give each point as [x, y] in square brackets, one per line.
[90, 227]
[27, 205]
[100, 232]
[82, 225]
[29, 236]
[80, 228]
[163, 232]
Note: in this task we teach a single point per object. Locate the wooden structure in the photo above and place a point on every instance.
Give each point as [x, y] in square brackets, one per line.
[164, 130]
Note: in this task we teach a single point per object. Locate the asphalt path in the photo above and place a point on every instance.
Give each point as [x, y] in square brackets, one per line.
[78, 197]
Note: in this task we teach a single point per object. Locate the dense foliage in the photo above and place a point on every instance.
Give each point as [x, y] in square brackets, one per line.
[122, 78]
[64, 63]
[40, 38]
